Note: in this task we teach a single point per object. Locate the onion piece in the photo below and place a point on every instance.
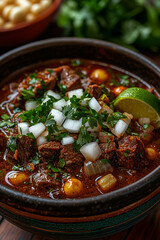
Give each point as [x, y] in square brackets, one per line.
[93, 103]
[41, 140]
[37, 129]
[91, 151]
[58, 116]
[72, 126]
[78, 93]
[67, 140]
[59, 104]
[23, 128]
[29, 105]
[98, 167]
[51, 93]
[122, 125]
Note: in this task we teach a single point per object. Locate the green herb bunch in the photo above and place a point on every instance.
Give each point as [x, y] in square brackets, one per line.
[134, 24]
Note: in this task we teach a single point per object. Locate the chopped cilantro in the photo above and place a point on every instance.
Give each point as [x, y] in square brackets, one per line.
[33, 81]
[53, 169]
[16, 110]
[7, 124]
[134, 134]
[76, 63]
[33, 75]
[114, 117]
[12, 144]
[114, 82]
[83, 138]
[50, 71]
[145, 126]
[5, 117]
[61, 135]
[63, 88]
[126, 153]
[62, 162]
[105, 90]
[18, 167]
[68, 111]
[81, 74]
[108, 142]
[124, 80]
[104, 161]
[35, 160]
[27, 94]
[65, 175]
[31, 135]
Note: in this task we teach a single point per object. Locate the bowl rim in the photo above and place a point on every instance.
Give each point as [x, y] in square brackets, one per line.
[132, 188]
[46, 13]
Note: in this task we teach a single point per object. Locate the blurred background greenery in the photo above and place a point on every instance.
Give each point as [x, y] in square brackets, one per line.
[131, 23]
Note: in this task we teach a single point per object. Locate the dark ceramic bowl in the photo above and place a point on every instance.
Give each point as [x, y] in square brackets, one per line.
[27, 31]
[92, 217]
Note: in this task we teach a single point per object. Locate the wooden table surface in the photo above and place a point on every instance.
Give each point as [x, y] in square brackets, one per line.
[147, 229]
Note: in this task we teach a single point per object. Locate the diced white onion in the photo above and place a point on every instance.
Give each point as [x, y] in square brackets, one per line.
[68, 102]
[91, 151]
[89, 129]
[51, 93]
[37, 129]
[72, 126]
[78, 93]
[98, 167]
[41, 140]
[67, 140]
[23, 128]
[93, 103]
[59, 104]
[29, 105]
[122, 125]
[58, 116]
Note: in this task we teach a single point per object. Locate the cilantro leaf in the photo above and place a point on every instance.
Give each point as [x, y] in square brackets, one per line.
[27, 94]
[5, 117]
[62, 162]
[12, 144]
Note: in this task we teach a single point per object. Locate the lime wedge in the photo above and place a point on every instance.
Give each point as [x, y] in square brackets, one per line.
[140, 103]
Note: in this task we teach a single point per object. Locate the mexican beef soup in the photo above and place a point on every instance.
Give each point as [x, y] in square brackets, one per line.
[63, 136]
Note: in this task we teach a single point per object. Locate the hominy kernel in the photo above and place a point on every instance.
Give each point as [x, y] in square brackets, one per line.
[73, 187]
[100, 76]
[151, 153]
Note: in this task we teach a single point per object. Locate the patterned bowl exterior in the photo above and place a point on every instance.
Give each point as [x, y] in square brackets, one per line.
[92, 217]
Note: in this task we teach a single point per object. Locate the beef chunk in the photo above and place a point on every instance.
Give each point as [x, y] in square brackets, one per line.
[49, 150]
[131, 152]
[95, 91]
[43, 81]
[43, 180]
[69, 78]
[3, 142]
[74, 160]
[26, 149]
[108, 150]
